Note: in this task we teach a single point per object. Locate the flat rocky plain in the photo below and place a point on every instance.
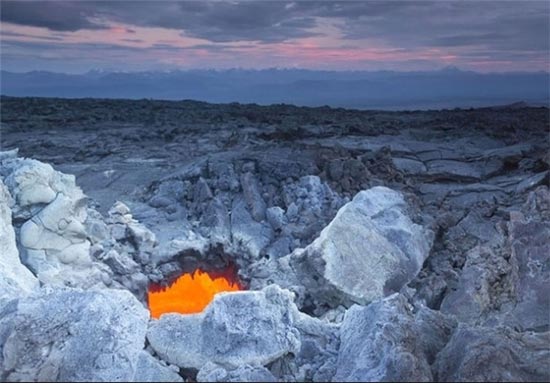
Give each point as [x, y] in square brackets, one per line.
[374, 245]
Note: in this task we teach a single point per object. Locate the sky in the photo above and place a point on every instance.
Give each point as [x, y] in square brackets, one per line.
[79, 36]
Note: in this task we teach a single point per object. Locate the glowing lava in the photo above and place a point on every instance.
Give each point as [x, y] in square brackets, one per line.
[190, 293]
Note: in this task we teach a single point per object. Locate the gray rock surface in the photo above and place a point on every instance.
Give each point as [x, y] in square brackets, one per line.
[481, 287]
[276, 217]
[387, 341]
[191, 181]
[481, 354]
[247, 233]
[72, 335]
[250, 327]
[211, 372]
[149, 369]
[530, 251]
[253, 197]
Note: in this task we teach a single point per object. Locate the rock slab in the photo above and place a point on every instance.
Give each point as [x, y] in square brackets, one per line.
[247, 327]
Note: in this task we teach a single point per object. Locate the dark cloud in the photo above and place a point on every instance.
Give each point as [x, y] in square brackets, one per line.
[267, 21]
[503, 24]
[15, 34]
[39, 46]
[132, 40]
[54, 15]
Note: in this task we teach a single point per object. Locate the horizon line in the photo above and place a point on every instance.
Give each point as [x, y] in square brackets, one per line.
[450, 69]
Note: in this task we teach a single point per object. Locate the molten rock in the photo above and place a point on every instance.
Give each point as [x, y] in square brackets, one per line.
[190, 293]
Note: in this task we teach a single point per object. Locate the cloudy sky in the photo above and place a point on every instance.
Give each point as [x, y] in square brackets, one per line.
[77, 36]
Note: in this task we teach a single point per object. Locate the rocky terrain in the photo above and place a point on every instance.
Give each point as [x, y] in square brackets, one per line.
[373, 245]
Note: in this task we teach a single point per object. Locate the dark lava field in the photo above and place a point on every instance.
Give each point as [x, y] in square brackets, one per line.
[373, 245]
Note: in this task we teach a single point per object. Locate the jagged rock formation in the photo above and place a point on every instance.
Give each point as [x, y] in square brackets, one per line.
[374, 245]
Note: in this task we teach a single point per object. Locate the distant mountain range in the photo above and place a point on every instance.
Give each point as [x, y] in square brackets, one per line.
[447, 88]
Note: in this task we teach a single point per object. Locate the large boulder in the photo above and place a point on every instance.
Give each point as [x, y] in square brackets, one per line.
[34, 184]
[15, 279]
[72, 335]
[239, 328]
[388, 341]
[370, 249]
[53, 237]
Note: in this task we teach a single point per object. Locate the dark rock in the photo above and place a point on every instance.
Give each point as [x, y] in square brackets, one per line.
[482, 354]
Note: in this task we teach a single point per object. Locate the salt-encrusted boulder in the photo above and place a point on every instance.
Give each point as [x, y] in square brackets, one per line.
[387, 341]
[15, 279]
[52, 236]
[247, 327]
[72, 335]
[33, 184]
[371, 248]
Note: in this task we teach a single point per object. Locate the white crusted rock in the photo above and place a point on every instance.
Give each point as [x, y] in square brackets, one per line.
[369, 250]
[246, 327]
[149, 369]
[72, 335]
[15, 279]
[53, 238]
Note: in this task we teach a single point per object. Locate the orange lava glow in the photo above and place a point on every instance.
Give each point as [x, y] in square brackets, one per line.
[190, 293]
